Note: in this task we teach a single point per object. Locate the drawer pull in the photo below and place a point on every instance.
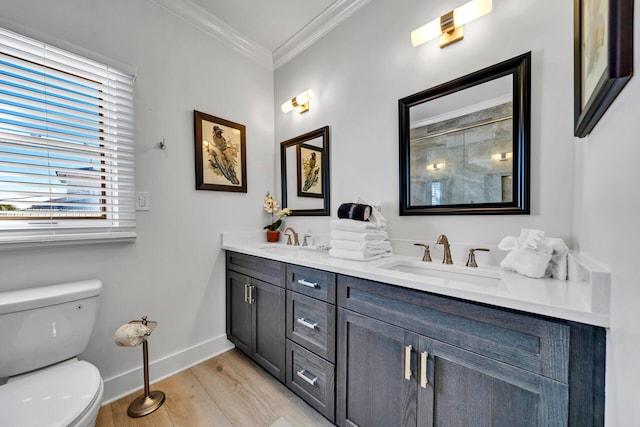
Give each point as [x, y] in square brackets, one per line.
[407, 362]
[302, 375]
[423, 369]
[308, 284]
[246, 293]
[304, 322]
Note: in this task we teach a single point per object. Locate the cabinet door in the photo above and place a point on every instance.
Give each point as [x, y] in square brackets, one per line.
[268, 323]
[239, 311]
[371, 378]
[467, 389]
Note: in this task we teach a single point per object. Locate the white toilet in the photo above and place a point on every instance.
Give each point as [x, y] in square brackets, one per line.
[42, 330]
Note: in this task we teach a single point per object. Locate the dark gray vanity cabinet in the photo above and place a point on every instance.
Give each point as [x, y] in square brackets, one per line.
[408, 358]
[255, 305]
[311, 337]
[372, 354]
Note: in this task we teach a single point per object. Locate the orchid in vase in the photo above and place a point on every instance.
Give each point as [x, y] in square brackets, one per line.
[272, 207]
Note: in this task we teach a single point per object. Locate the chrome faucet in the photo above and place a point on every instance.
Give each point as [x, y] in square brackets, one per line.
[442, 240]
[296, 242]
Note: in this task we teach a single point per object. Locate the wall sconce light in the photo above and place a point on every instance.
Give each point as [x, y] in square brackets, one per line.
[300, 102]
[450, 25]
[502, 157]
[435, 166]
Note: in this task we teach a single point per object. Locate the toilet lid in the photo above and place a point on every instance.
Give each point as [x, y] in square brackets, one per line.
[54, 397]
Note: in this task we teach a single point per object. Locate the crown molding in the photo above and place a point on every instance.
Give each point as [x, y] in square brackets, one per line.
[214, 26]
[312, 32]
[309, 34]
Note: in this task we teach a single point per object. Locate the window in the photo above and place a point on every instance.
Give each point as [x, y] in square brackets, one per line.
[66, 146]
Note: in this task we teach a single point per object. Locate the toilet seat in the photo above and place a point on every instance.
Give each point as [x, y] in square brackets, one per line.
[56, 396]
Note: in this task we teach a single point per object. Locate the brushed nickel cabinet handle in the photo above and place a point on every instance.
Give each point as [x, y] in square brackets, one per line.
[407, 362]
[251, 298]
[246, 293]
[423, 369]
[309, 325]
[308, 284]
[308, 380]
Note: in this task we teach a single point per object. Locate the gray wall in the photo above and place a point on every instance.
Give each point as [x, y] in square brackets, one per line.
[174, 273]
[583, 190]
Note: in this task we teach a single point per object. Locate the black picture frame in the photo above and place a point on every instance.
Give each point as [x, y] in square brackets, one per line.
[603, 58]
[519, 68]
[287, 196]
[220, 154]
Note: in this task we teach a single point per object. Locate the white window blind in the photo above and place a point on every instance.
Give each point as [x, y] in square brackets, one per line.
[66, 146]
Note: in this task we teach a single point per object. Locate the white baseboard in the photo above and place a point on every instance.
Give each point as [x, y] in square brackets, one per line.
[128, 382]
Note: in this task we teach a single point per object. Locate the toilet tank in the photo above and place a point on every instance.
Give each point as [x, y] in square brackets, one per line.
[45, 325]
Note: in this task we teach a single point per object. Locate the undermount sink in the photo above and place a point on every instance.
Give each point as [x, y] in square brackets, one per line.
[280, 249]
[289, 250]
[478, 275]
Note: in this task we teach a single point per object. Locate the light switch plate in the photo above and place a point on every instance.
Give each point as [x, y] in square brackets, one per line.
[143, 203]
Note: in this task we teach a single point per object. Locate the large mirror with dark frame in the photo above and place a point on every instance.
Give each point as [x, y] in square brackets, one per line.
[304, 163]
[464, 145]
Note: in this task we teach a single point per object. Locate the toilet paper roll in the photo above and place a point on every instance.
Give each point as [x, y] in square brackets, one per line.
[131, 334]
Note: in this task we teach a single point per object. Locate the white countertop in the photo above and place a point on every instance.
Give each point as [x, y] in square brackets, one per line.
[584, 298]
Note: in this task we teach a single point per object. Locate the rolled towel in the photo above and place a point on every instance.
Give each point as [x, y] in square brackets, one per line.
[558, 264]
[352, 245]
[355, 211]
[358, 236]
[376, 216]
[131, 334]
[350, 225]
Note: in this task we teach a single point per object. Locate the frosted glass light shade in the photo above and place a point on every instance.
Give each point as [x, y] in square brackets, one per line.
[461, 15]
[300, 102]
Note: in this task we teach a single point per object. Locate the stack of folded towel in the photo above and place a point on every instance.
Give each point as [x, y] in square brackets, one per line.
[359, 233]
[534, 255]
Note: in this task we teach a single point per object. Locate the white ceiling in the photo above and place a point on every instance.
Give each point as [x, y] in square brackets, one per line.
[267, 23]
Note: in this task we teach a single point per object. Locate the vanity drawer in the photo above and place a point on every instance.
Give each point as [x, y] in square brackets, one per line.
[314, 283]
[530, 342]
[312, 378]
[267, 270]
[312, 324]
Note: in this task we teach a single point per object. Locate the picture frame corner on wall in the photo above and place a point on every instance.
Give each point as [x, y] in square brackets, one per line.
[220, 154]
[603, 58]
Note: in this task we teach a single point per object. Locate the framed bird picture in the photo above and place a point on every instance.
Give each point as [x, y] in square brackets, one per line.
[309, 176]
[220, 148]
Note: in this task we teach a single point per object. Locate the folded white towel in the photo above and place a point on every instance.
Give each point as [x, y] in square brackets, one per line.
[527, 262]
[364, 255]
[351, 225]
[530, 238]
[358, 236]
[352, 245]
[533, 255]
[131, 334]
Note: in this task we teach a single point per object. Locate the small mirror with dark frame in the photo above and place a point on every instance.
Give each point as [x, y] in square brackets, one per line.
[304, 166]
[464, 144]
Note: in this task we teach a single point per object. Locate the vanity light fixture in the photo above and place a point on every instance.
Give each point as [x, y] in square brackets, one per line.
[503, 157]
[450, 26]
[435, 166]
[300, 102]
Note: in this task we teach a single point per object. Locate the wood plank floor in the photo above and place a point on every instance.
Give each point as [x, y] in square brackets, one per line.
[227, 390]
